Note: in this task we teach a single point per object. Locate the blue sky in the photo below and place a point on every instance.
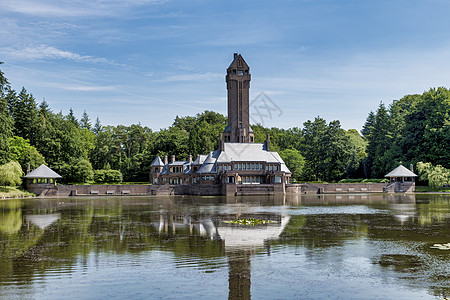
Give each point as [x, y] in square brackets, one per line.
[147, 61]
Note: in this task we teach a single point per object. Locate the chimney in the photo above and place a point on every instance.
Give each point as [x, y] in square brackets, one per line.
[221, 142]
[411, 168]
[235, 55]
[268, 142]
[166, 159]
[28, 168]
[190, 158]
[172, 159]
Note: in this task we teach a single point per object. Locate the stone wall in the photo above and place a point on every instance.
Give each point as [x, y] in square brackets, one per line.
[256, 189]
[110, 189]
[350, 187]
[400, 187]
[50, 190]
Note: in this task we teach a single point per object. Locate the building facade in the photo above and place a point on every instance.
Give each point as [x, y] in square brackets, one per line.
[238, 160]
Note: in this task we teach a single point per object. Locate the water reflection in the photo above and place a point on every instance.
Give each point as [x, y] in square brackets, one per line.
[387, 236]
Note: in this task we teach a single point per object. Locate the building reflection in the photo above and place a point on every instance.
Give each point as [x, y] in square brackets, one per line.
[239, 242]
[199, 228]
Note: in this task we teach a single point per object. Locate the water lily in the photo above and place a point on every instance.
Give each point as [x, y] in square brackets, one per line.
[441, 246]
[250, 222]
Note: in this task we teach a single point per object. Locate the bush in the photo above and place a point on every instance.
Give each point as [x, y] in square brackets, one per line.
[107, 176]
[76, 171]
[360, 180]
[437, 176]
[10, 174]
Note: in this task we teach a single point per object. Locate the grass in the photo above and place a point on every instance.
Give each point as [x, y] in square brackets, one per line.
[427, 189]
[13, 192]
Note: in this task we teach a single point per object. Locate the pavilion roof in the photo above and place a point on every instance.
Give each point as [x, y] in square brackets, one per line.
[400, 171]
[42, 172]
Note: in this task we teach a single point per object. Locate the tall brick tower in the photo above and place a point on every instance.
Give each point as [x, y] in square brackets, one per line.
[238, 87]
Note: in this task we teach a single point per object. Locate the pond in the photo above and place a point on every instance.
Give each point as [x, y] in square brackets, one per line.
[375, 246]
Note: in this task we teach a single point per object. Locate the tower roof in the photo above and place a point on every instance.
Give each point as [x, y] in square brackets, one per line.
[157, 162]
[238, 63]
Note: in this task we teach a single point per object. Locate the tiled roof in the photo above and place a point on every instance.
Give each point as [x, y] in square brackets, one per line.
[178, 163]
[157, 162]
[43, 172]
[245, 152]
[209, 165]
[200, 159]
[400, 171]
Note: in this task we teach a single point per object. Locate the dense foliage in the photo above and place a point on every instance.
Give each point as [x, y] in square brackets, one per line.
[436, 176]
[11, 174]
[412, 129]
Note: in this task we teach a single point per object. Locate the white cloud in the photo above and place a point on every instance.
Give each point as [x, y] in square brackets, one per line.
[193, 77]
[44, 52]
[66, 8]
[87, 88]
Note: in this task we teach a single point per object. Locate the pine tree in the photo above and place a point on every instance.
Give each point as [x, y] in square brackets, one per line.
[6, 122]
[85, 122]
[97, 126]
[26, 116]
[71, 117]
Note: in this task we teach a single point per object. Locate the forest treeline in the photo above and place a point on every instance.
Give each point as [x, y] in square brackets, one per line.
[412, 129]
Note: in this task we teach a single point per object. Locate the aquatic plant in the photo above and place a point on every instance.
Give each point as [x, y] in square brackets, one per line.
[441, 246]
[250, 222]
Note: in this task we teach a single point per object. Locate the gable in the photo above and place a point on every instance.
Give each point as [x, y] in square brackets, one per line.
[238, 63]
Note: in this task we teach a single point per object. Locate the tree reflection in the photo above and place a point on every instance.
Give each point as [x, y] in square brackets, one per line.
[37, 235]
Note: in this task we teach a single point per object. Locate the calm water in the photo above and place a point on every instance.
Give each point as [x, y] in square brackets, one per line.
[317, 247]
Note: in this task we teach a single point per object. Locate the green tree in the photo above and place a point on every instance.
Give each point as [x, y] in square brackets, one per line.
[355, 167]
[85, 123]
[294, 161]
[77, 171]
[25, 113]
[6, 121]
[171, 141]
[11, 174]
[203, 131]
[377, 133]
[6, 128]
[415, 128]
[22, 152]
[102, 176]
[327, 150]
[437, 176]
[97, 126]
[60, 140]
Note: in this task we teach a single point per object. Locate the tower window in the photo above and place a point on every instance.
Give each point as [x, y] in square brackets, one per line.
[240, 73]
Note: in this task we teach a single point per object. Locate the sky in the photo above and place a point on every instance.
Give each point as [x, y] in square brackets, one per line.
[148, 61]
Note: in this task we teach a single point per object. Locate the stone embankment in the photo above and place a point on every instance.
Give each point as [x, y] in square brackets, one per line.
[49, 190]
